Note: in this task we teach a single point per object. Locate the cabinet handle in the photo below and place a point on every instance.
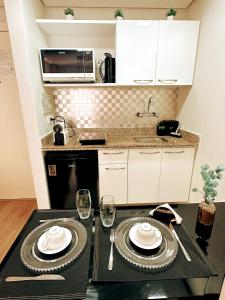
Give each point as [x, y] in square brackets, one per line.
[175, 152]
[156, 152]
[143, 81]
[115, 169]
[167, 80]
[107, 153]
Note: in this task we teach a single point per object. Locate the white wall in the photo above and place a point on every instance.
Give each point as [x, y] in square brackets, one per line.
[15, 173]
[32, 10]
[25, 40]
[108, 13]
[103, 44]
[203, 109]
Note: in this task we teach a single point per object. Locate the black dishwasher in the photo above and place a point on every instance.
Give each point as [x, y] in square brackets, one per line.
[69, 171]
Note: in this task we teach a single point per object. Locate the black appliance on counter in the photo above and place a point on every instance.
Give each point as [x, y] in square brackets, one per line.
[108, 75]
[69, 171]
[92, 138]
[165, 127]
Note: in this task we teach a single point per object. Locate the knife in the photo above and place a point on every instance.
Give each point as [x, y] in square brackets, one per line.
[187, 256]
[39, 277]
[55, 219]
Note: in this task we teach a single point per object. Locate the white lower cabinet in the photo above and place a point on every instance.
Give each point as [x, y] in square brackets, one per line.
[149, 176]
[113, 181]
[143, 175]
[176, 173]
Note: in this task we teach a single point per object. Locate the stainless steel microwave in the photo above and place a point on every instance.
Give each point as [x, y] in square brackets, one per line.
[67, 65]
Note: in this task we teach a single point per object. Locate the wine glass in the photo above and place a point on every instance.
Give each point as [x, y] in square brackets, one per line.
[83, 203]
[107, 210]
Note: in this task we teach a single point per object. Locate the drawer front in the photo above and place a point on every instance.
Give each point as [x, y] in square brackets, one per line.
[144, 154]
[113, 181]
[113, 156]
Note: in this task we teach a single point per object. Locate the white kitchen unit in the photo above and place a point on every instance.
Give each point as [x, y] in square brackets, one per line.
[148, 52]
[113, 174]
[143, 175]
[136, 50]
[177, 46]
[176, 174]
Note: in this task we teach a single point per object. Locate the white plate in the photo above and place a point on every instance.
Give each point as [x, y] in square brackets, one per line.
[41, 241]
[132, 236]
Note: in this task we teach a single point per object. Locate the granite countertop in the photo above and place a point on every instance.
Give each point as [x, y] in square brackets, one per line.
[124, 138]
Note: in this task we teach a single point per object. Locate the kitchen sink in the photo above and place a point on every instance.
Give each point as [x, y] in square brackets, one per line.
[150, 139]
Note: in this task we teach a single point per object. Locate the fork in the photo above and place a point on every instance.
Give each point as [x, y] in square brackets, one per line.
[112, 240]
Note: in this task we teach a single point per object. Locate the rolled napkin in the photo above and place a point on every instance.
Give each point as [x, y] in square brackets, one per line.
[168, 214]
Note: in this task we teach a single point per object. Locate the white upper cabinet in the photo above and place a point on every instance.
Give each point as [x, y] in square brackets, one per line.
[177, 46]
[136, 51]
[148, 52]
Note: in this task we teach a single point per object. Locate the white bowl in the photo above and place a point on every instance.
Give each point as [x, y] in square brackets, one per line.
[54, 240]
[145, 236]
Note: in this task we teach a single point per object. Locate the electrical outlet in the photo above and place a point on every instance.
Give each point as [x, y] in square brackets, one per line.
[48, 119]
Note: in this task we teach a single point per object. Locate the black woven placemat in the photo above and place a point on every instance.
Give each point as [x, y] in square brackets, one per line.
[123, 271]
[76, 273]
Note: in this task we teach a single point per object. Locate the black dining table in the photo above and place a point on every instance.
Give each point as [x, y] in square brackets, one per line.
[212, 249]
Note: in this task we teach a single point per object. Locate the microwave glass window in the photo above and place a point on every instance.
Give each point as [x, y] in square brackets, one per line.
[62, 61]
[88, 61]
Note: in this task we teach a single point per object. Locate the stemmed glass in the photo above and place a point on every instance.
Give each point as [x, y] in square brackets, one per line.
[83, 203]
[107, 210]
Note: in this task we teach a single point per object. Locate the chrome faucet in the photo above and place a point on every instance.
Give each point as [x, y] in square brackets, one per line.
[148, 113]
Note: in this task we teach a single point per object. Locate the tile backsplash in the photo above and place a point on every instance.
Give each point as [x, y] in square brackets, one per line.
[111, 107]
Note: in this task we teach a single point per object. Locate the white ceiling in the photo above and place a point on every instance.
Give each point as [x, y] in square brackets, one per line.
[120, 3]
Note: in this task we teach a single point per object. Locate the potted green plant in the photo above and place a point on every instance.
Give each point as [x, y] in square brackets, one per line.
[118, 14]
[207, 209]
[171, 14]
[69, 13]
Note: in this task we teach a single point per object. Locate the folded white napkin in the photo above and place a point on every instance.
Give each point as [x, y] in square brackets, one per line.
[166, 205]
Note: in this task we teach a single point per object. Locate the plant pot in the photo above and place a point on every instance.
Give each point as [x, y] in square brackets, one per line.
[119, 18]
[205, 219]
[170, 18]
[69, 17]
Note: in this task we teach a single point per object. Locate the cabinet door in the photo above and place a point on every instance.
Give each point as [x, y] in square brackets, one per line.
[177, 47]
[176, 173]
[136, 50]
[143, 175]
[113, 181]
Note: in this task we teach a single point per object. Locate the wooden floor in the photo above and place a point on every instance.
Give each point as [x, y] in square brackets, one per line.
[13, 216]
